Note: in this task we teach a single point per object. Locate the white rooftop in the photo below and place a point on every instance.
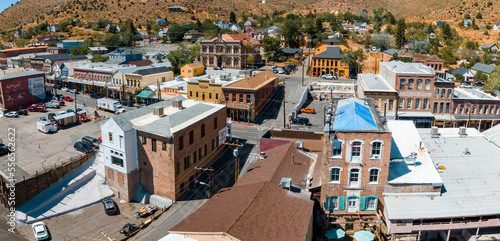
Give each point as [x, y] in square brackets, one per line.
[403, 169]
[470, 181]
[460, 93]
[407, 68]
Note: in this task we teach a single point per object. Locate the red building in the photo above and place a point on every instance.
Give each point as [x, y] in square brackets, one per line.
[247, 97]
[4, 54]
[22, 89]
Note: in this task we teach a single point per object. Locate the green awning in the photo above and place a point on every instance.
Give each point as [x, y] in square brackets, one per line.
[145, 94]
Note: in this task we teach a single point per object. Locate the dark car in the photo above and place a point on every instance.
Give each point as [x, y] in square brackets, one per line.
[50, 116]
[43, 118]
[91, 141]
[479, 84]
[70, 110]
[301, 120]
[128, 228]
[22, 112]
[140, 106]
[217, 68]
[78, 110]
[4, 150]
[109, 206]
[128, 103]
[80, 146]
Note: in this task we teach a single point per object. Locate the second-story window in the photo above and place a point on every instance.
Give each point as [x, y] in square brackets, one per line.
[376, 150]
[356, 151]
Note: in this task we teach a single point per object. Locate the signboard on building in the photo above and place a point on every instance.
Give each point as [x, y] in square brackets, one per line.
[222, 135]
[37, 87]
[404, 93]
[172, 91]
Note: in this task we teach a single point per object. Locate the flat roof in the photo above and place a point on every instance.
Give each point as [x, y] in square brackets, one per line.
[372, 82]
[415, 114]
[470, 181]
[407, 68]
[403, 169]
[474, 94]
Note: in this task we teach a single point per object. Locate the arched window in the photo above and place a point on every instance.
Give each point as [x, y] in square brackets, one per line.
[401, 103]
[409, 103]
[335, 174]
[410, 84]
[419, 84]
[426, 104]
[354, 177]
[417, 103]
[337, 148]
[376, 149]
[427, 84]
[402, 83]
[356, 151]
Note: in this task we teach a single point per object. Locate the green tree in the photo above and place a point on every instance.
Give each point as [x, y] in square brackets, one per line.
[421, 47]
[400, 33]
[83, 48]
[99, 58]
[272, 48]
[382, 41]
[459, 77]
[467, 16]
[493, 83]
[479, 15]
[353, 59]
[480, 76]
[52, 43]
[180, 57]
[289, 31]
[470, 45]
[232, 17]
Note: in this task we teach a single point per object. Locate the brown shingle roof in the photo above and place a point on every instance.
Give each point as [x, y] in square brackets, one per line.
[434, 58]
[312, 141]
[240, 36]
[194, 65]
[254, 82]
[257, 211]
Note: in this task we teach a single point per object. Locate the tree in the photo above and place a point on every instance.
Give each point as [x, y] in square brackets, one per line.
[470, 45]
[467, 16]
[353, 59]
[180, 57]
[421, 47]
[382, 41]
[459, 77]
[400, 33]
[113, 29]
[130, 27]
[493, 83]
[487, 58]
[272, 48]
[480, 76]
[83, 48]
[52, 43]
[479, 15]
[289, 31]
[99, 58]
[232, 17]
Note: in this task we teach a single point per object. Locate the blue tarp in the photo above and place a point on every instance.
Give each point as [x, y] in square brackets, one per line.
[354, 116]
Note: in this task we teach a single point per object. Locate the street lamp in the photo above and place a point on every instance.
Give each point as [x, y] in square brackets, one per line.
[332, 88]
[235, 154]
[205, 184]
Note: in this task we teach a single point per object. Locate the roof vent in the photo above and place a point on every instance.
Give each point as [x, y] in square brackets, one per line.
[286, 183]
[410, 160]
[434, 132]
[158, 111]
[467, 151]
[299, 144]
[462, 131]
[177, 103]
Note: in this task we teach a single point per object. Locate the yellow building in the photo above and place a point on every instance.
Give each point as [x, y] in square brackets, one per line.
[194, 69]
[321, 47]
[208, 90]
[303, 41]
[136, 81]
[329, 62]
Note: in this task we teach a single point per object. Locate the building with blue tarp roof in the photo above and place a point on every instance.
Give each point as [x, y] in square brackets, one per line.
[354, 116]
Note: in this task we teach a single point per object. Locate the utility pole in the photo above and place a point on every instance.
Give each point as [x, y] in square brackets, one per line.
[159, 92]
[76, 112]
[235, 154]
[303, 63]
[211, 170]
[284, 100]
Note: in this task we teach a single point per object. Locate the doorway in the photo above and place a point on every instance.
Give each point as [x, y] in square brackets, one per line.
[352, 204]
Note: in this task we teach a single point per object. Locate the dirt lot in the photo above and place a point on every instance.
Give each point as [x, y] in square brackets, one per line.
[35, 150]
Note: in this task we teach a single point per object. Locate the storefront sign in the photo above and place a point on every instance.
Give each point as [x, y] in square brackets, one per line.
[170, 91]
[222, 135]
[425, 94]
[203, 86]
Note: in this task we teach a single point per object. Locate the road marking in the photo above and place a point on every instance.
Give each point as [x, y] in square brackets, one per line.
[240, 131]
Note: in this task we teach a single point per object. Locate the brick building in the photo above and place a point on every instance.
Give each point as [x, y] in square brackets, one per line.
[356, 151]
[4, 54]
[22, 89]
[433, 61]
[154, 150]
[246, 98]
[234, 51]
[379, 91]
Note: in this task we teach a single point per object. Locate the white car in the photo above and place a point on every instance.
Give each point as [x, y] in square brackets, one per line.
[72, 91]
[61, 112]
[12, 114]
[40, 231]
[329, 76]
[64, 89]
[281, 71]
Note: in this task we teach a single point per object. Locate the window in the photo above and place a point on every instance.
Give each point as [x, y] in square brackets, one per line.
[401, 222]
[163, 146]
[336, 148]
[354, 177]
[426, 104]
[196, 94]
[335, 174]
[121, 141]
[435, 107]
[443, 92]
[210, 95]
[436, 93]
[234, 97]
[376, 150]
[216, 96]
[189, 71]
[215, 123]
[371, 203]
[110, 136]
[181, 142]
[177, 168]
[191, 137]
[202, 130]
[408, 103]
[241, 98]
[419, 84]
[391, 104]
[417, 103]
[374, 175]
[402, 84]
[447, 110]
[401, 103]
[144, 140]
[213, 144]
[333, 203]
[153, 145]
[200, 152]
[226, 97]
[440, 108]
[356, 151]
[116, 161]
[448, 93]
[479, 110]
[249, 100]
[485, 108]
[186, 162]
[410, 84]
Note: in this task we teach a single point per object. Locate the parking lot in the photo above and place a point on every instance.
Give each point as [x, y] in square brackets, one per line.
[87, 223]
[36, 151]
[315, 120]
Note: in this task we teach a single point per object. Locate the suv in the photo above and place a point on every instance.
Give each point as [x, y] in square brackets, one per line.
[301, 120]
[109, 206]
[80, 146]
[128, 103]
[91, 141]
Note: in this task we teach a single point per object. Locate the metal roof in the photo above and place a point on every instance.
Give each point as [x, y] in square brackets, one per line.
[374, 82]
[352, 115]
[19, 74]
[470, 181]
[485, 68]
[472, 94]
[493, 134]
[331, 52]
[407, 68]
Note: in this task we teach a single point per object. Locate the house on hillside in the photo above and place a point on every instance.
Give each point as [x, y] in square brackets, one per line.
[176, 9]
[250, 23]
[161, 21]
[163, 32]
[293, 53]
[192, 36]
[250, 31]
[496, 27]
[466, 73]
[488, 47]
[485, 68]
[439, 23]
[222, 24]
[235, 27]
[53, 28]
[468, 23]
[108, 27]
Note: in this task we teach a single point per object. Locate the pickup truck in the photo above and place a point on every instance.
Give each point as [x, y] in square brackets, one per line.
[53, 104]
[328, 76]
[37, 107]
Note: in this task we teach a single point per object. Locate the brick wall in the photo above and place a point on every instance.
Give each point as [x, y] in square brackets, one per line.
[123, 185]
[419, 188]
[15, 93]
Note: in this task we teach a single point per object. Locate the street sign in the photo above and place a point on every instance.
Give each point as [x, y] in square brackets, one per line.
[331, 87]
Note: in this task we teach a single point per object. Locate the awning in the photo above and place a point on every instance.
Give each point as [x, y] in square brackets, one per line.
[335, 233]
[424, 114]
[145, 94]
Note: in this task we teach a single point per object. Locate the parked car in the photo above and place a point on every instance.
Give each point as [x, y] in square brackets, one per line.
[465, 84]
[4, 149]
[12, 114]
[301, 120]
[67, 98]
[479, 84]
[128, 228]
[78, 110]
[128, 103]
[281, 71]
[62, 103]
[329, 76]
[50, 116]
[91, 141]
[308, 110]
[40, 231]
[109, 206]
[37, 107]
[42, 118]
[217, 68]
[80, 146]
[73, 91]
[53, 104]
[275, 71]
[70, 110]
[65, 89]
[61, 112]
[140, 106]
[22, 112]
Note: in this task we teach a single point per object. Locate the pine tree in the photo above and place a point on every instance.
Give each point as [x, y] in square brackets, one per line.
[400, 33]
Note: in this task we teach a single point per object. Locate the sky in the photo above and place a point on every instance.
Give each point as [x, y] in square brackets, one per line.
[6, 3]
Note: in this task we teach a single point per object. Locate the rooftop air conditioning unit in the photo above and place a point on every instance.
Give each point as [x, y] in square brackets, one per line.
[158, 111]
[178, 104]
[286, 183]
[434, 132]
[299, 145]
[462, 131]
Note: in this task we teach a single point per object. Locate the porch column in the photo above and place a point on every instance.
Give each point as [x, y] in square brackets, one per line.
[479, 127]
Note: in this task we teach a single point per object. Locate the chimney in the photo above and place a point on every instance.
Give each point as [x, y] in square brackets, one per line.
[286, 183]
[177, 103]
[158, 111]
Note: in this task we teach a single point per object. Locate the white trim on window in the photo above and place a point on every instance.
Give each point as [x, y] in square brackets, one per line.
[356, 183]
[342, 147]
[378, 175]
[356, 159]
[340, 174]
[376, 156]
